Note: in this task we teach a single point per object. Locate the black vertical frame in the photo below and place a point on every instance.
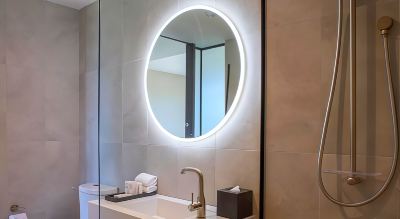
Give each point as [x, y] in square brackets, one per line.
[98, 102]
[228, 75]
[190, 90]
[201, 93]
[263, 108]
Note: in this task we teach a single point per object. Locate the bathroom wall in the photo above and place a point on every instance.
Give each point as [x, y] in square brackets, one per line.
[131, 142]
[39, 111]
[300, 54]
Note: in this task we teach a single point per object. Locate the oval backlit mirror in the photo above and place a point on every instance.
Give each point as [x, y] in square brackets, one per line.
[194, 73]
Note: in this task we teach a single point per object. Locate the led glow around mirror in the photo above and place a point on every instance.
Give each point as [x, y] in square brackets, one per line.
[194, 73]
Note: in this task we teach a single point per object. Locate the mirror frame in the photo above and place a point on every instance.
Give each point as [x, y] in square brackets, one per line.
[241, 80]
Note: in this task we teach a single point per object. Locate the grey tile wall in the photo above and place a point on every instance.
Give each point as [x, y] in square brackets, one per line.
[301, 39]
[39, 112]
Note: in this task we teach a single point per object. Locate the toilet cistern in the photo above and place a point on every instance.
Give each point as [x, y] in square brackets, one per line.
[200, 205]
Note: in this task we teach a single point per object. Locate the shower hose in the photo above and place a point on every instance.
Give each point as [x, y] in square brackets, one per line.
[384, 34]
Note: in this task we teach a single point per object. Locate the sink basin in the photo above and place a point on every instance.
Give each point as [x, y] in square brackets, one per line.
[154, 207]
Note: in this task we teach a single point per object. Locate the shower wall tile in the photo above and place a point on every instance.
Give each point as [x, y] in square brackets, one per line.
[67, 207]
[142, 20]
[62, 73]
[384, 207]
[374, 129]
[291, 186]
[82, 41]
[162, 161]
[134, 104]
[111, 104]
[111, 164]
[373, 115]
[25, 32]
[111, 32]
[25, 174]
[3, 32]
[25, 102]
[338, 132]
[40, 89]
[89, 16]
[283, 12]
[204, 159]
[88, 112]
[293, 90]
[238, 167]
[3, 145]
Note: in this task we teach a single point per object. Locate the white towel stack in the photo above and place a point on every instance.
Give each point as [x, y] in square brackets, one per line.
[143, 183]
[133, 187]
[148, 181]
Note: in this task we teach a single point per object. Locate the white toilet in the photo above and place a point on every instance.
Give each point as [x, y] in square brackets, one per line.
[90, 191]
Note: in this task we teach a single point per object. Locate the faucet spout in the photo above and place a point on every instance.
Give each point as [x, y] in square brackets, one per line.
[200, 206]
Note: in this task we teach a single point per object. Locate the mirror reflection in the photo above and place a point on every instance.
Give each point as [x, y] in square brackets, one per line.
[193, 73]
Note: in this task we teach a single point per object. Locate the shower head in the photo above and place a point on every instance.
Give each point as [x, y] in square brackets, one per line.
[384, 24]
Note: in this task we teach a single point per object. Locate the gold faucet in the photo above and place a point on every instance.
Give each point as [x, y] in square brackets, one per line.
[200, 205]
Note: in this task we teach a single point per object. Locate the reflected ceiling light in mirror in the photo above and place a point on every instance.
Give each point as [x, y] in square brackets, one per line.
[213, 12]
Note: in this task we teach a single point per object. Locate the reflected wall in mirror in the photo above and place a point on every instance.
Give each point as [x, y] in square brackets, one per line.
[195, 73]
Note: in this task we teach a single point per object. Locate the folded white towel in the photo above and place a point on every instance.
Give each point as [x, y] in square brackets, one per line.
[149, 189]
[147, 179]
[133, 187]
[18, 216]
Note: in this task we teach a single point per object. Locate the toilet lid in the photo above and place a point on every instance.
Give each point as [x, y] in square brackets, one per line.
[93, 189]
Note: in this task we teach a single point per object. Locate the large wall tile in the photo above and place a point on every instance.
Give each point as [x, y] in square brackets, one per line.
[25, 32]
[111, 32]
[384, 207]
[82, 41]
[238, 167]
[111, 164]
[61, 157]
[291, 186]
[3, 145]
[293, 90]
[88, 113]
[245, 14]
[374, 129]
[188, 3]
[203, 159]
[62, 76]
[242, 131]
[133, 160]
[111, 104]
[25, 102]
[134, 103]
[162, 161]
[41, 87]
[281, 12]
[142, 21]
[26, 174]
[3, 31]
[91, 21]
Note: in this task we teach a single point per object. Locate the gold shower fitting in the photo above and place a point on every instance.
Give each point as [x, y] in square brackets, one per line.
[384, 24]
